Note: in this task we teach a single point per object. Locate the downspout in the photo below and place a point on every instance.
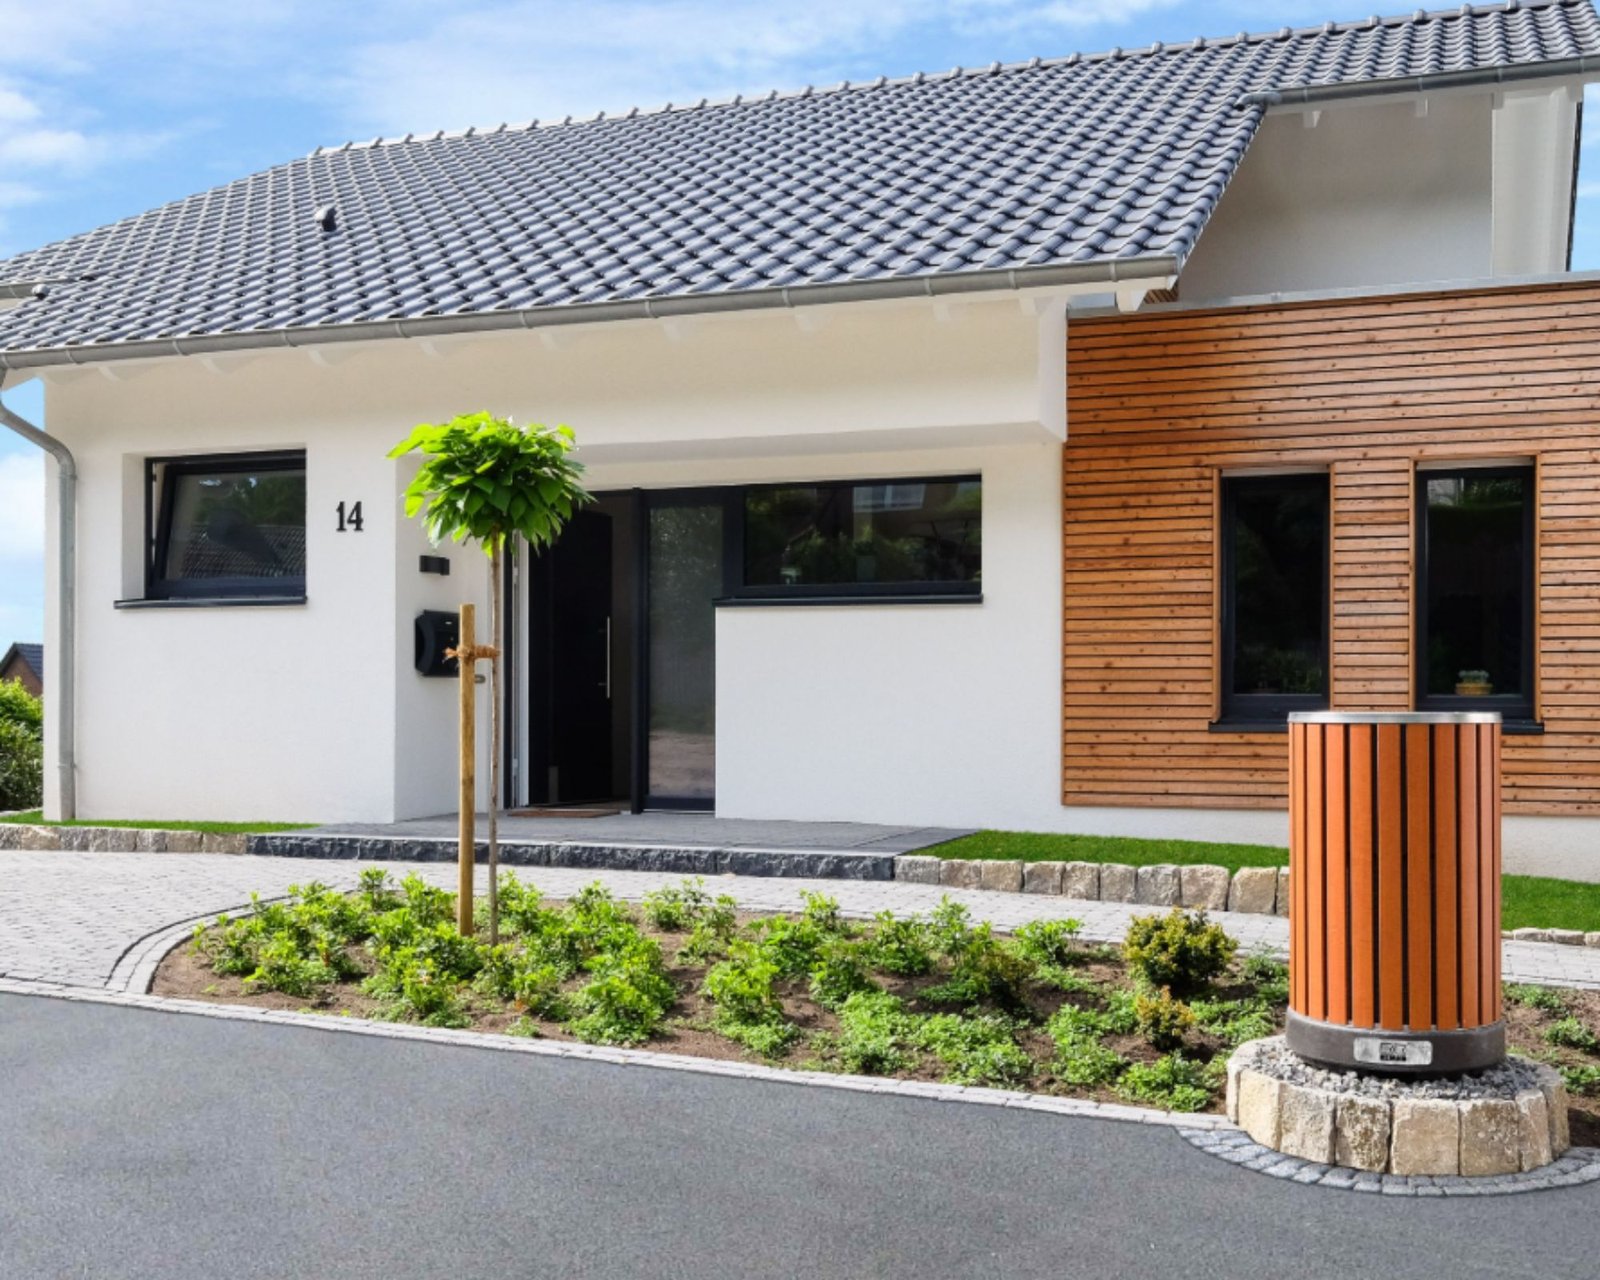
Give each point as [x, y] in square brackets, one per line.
[62, 663]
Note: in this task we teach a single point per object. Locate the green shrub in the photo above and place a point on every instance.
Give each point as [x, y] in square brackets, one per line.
[706, 942]
[1049, 942]
[822, 912]
[1235, 1021]
[21, 708]
[674, 910]
[875, 1031]
[376, 890]
[1087, 1063]
[522, 909]
[1162, 1020]
[1569, 1033]
[1268, 975]
[230, 946]
[1584, 1080]
[742, 986]
[981, 1050]
[413, 989]
[951, 926]
[1544, 999]
[21, 764]
[840, 972]
[628, 999]
[1174, 1082]
[984, 970]
[282, 966]
[748, 1008]
[1072, 1025]
[902, 946]
[791, 945]
[1181, 950]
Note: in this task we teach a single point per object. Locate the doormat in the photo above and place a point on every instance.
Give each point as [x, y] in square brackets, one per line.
[557, 812]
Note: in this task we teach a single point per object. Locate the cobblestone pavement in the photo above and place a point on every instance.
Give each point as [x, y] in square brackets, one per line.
[1579, 1167]
[103, 919]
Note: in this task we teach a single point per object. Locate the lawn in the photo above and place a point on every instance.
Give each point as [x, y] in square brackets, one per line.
[35, 818]
[1037, 847]
[933, 997]
[1528, 901]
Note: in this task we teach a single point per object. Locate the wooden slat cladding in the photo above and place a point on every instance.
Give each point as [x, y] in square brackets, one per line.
[1160, 405]
[1395, 858]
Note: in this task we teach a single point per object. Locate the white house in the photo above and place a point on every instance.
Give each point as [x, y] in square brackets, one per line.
[815, 350]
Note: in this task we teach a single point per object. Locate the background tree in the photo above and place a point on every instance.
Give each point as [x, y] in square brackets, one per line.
[487, 480]
[21, 747]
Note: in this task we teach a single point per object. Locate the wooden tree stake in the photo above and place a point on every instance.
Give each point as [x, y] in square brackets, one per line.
[466, 647]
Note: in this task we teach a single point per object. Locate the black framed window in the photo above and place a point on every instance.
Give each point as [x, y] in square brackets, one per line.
[226, 526]
[1475, 590]
[861, 538]
[1274, 596]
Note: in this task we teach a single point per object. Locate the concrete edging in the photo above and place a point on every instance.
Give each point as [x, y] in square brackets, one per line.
[1250, 890]
[630, 1057]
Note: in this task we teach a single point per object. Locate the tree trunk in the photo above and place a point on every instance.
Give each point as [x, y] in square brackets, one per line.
[497, 630]
[466, 796]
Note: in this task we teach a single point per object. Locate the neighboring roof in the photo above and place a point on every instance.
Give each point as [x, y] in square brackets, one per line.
[1080, 168]
[31, 654]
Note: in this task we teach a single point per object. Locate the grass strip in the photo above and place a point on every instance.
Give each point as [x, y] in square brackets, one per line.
[35, 818]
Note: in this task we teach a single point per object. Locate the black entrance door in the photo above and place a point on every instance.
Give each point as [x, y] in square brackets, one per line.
[573, 651]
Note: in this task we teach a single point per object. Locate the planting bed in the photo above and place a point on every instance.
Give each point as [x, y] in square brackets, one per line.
[923, 998]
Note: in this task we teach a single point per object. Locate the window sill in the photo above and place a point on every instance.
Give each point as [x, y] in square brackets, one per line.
[785, 602]
[1248, 726]
[212, 602]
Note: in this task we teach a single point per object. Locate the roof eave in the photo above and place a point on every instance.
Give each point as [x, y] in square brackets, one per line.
[1114, 271]
[1481, 77]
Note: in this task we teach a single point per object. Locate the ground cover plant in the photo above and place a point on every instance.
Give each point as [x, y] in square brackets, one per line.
[939, 996]
[1531, 902]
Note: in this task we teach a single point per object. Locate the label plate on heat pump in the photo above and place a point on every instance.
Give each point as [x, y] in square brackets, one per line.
[1394, 1053]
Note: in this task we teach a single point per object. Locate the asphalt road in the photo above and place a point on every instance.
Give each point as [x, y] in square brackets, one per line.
[143, 1144]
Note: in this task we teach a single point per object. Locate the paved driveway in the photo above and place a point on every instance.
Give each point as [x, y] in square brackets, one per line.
[100, 919]
[142, 1144]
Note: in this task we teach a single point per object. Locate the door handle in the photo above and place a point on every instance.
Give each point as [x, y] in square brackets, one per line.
[606, 683]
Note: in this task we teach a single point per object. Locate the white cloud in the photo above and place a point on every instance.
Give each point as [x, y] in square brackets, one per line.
[21, 506]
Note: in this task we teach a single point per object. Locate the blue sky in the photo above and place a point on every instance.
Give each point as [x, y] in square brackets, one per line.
[109, 107]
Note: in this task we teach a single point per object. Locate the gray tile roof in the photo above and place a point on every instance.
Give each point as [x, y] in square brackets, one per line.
[32, 654]
[1078, 165]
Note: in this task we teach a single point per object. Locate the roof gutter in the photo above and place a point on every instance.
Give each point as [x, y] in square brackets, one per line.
[1077, 273]
[1483, 77]
[63, 667]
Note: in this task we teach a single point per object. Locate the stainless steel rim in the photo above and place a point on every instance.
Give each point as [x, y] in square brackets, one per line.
[1394, 717]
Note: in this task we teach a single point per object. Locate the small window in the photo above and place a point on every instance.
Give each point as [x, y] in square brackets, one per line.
[230, 526]
[1475, 590]
[1274, 596]
[904, 537]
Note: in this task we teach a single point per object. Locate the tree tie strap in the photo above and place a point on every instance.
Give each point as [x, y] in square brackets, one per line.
[473, 653]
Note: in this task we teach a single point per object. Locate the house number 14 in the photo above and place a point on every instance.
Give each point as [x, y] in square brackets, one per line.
[350, 519]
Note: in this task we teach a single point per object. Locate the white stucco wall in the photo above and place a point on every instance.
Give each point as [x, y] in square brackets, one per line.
[1373, 195]
[313, 712]
[942, 714]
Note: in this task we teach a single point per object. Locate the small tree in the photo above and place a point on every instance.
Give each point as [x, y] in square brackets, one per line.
[488, 480]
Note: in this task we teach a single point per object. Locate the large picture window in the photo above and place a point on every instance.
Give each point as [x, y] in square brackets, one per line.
[1475, 590]
[230, 526]
[902, 537]
[1274, 596]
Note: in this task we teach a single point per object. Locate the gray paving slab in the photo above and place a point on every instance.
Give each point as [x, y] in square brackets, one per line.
[675, 830]
[70, 917]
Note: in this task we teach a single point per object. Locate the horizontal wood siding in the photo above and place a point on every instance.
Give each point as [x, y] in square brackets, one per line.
[1160, 405]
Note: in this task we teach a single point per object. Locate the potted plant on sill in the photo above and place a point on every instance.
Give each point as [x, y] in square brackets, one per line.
[1473, 684]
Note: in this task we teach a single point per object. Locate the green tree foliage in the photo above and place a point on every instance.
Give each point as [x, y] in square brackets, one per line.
[487, 480]
[21, 747]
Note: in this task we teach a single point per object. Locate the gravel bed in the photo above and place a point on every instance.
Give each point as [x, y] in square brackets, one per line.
[1511, 1076]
